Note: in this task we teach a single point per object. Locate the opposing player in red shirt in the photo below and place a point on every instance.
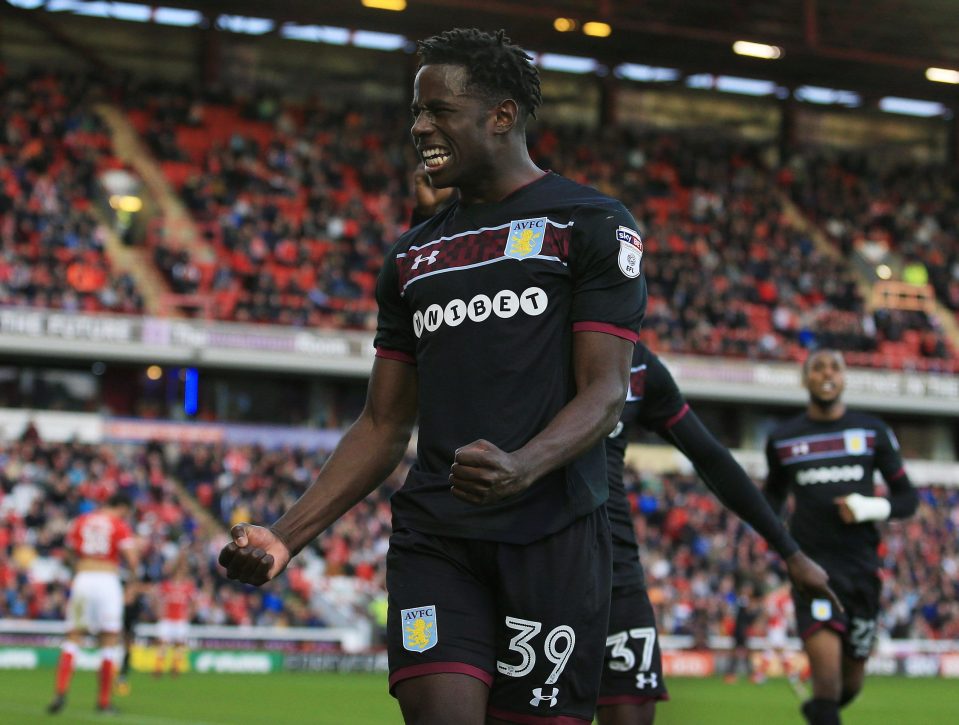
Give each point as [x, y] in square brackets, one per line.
[778, 611]
[98, 540]
[174, 596]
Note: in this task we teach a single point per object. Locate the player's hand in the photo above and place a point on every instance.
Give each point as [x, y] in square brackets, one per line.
[483, 474]
[845, 513]
[810, 579]
[255, 555]
[428, 199]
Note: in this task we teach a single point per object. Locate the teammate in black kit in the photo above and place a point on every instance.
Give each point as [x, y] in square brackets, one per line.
[132, 611]
[633, 673]
[747, 612]
[506, 326]
[826, 458]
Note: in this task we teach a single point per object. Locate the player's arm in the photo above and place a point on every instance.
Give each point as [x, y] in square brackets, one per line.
[482, 473]
[368, 452]
[777, 482]
[903, 498]
[728, 481]
[734, 488]
[666, 411]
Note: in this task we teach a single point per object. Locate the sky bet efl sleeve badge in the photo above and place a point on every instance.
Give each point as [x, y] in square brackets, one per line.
[419, 628]
[630, 251]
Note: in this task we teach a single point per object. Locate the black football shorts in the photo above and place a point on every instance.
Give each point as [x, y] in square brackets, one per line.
[528, 620]
[859, 593]
[633, 669]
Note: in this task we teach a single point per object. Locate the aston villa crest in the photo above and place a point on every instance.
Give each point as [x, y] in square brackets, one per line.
[526, 237]
[419, 628]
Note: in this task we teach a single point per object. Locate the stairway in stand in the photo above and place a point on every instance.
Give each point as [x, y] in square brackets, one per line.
[177, 225]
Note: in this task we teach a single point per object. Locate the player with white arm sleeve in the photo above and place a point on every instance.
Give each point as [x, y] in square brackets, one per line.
[826, 458]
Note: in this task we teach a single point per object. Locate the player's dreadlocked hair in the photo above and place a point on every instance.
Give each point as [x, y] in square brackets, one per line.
[496, 67]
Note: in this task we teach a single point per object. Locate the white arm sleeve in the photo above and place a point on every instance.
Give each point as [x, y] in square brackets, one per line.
[868, 508]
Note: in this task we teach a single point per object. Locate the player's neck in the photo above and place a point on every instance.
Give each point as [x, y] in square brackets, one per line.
[826, 411]
[502, 183]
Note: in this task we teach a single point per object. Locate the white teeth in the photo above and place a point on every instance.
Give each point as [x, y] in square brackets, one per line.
[435, 157]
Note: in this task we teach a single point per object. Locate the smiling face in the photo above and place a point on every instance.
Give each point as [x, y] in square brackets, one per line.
[824, 376]
[453, 129]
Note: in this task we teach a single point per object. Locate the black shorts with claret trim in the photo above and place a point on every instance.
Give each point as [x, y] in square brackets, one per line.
[859, 593]
[633, 669]
[529, 620]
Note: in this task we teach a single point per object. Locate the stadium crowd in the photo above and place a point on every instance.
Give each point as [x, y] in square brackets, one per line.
[301, 210]
[711, 212]
[52, 148]
[909, 209]
[298, 204]
[696, 554]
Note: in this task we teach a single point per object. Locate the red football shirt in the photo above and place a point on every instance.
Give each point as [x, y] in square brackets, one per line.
[99, 535]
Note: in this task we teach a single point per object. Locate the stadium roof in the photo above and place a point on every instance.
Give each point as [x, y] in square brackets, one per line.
[876, 47]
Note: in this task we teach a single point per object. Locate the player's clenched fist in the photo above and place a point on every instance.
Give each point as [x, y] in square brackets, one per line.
[255, 555]
[482, 473]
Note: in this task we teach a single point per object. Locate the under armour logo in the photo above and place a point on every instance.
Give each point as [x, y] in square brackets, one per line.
[539, 697]
[800, 449]
[429, 259]
[643, 680]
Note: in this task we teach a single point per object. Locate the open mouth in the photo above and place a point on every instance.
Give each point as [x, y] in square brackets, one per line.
[435, 157]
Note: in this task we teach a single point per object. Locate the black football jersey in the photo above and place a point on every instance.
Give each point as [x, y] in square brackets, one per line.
[654, 403]
[484, 299]
[819, 461]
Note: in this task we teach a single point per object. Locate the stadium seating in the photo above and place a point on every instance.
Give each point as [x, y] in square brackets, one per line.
[44, 485]
[51, 244]
[301, 209]
[298, 211]
[904, 208]
[298, 204]
[695, 553]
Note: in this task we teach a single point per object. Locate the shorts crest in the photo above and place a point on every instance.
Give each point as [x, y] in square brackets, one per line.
[419, 628]
[821, 610]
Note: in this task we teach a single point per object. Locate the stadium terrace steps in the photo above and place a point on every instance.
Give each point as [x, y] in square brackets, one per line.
[897, 358]
[178, 223]
[135, 262]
